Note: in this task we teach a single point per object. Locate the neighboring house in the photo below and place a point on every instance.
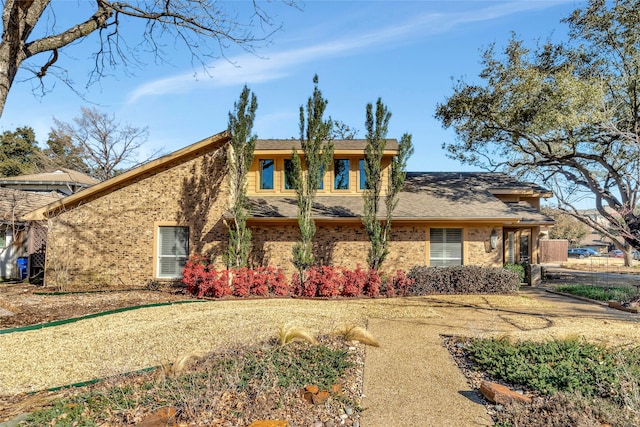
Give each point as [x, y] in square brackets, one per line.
[20, 239]
[142, 225]
[62, 181]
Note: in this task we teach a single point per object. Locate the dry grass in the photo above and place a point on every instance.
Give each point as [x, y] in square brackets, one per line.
[356, 333]
[289, 333]
[124, 342]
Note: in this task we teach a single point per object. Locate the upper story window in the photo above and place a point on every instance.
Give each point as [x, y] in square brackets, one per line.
[266, 174]
[321, 186]
[341, 174]
[288, 175]
[363, 177]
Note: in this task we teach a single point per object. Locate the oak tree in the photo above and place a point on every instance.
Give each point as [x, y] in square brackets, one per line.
[566, 115]
[107, 146]
[203, 28]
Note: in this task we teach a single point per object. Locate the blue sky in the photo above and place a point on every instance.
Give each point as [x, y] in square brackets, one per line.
[407, 53]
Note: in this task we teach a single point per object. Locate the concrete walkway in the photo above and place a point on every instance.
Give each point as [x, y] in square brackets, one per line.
[412, 380]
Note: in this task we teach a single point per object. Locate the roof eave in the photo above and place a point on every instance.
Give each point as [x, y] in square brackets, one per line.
[42, 213]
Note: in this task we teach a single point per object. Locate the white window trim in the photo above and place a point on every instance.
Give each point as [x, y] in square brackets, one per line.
[159, 255]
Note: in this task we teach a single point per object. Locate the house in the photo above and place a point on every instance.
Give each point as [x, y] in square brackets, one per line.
[62, 181]
[21, 240]
[141, 226]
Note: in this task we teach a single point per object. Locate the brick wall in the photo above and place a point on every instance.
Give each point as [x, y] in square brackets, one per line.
[109, 241]
[341, 245]
[478, 250]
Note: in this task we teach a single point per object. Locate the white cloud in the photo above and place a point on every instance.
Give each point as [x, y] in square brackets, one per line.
[251, 69]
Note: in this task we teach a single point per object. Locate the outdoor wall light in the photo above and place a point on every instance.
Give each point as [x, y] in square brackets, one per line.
[493, 240]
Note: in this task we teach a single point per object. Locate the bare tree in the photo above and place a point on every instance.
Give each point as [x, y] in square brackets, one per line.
[203, 27]
[107, 147]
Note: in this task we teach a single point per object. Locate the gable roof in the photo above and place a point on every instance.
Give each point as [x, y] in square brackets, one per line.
[59, 176]
[433, 196]
[150, 168]
[16, 203]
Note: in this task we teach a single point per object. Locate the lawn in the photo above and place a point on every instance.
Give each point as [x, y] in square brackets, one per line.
[620, 294]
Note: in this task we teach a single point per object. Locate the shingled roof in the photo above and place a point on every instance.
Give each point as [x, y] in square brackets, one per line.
[426, 196]
[343, 144]
[58, 176]
[15, 203]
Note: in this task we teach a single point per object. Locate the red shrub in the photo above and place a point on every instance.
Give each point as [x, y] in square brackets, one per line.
[387, 284]
[193, 275]
[308, 288]
[217, 284]
[353, 281]
[331, 281]
[259, 282]
[401, 283]
[372, 286]
[242, 281]
[275, 281]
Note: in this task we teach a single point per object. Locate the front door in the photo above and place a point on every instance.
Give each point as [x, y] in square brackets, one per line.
[517, 243]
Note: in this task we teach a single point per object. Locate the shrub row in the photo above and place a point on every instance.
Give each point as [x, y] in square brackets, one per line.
[462, 279]
[204, 280]
[329, 281]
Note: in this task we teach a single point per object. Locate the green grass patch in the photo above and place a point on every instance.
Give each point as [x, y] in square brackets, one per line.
[560, 365]
[601, 293]
[579, 383]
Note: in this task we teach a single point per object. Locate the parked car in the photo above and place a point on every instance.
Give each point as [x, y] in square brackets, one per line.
[635, 255]
[578, 253]
[616, 253]
[593, 252]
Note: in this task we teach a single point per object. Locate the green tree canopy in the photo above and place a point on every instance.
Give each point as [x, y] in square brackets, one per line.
[317, 150]
[18, 151]
[566, 115]
[566, 226]
[60, 152]
[243, 144]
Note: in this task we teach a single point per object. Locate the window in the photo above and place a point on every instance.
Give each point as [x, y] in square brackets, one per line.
[321, 186]
[363, 175]
[3, 237]
[341, 174]
[173, 250]
[266, 174]
[446, 247]
[288, 175]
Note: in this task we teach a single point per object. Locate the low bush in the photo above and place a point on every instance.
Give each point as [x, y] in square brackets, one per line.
[519, 269]
[581, 384]
[570, 365]
[203, 280]
[329, 281]
[462, 279]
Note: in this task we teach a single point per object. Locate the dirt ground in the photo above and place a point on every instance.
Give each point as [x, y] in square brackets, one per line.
[24, 304]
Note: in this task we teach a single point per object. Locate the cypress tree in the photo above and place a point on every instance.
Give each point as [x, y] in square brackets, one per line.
[317, 149]
[240, 156]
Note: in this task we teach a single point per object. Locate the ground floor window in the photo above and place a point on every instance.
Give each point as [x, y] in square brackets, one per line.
[446, 247]
[173, 250]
